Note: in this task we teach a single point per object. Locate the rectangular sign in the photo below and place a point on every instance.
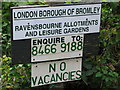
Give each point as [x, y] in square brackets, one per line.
[54, 72]
[35, 22]
[53, 48]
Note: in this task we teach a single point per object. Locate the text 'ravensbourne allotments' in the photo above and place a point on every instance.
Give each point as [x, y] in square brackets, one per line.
[53, 48]
[54, 72]
[55, 21]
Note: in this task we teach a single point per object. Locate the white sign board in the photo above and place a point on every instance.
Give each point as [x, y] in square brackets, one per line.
[54, 72]
[53, 48]
[35, 22]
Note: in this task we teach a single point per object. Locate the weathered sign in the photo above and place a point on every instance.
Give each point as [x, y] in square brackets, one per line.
[55, 72]
[67, 21]
[21, 49]
[62, 34]
[34, 22]
[53, 48]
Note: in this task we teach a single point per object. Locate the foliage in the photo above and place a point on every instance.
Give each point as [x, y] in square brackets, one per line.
[105, 64]
[6, 32]
[14, 76]
[102, 71]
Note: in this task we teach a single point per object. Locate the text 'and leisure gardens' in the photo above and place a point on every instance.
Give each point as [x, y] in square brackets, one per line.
[55, 21]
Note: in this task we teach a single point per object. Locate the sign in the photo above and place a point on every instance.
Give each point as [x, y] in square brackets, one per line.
[35, 22]
[55, 72]
[21, 49]
[25, 20]
[53, 48]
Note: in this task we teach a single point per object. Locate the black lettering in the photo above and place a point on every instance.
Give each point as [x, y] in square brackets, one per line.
[65, 76]
[62, 39]
[72, 75]
[59, 76]
[57, 40]
[78, 73]
[73, 38]
[40, 81]
[34, 42]
[44, 41]
[45, 79]
[51, 67]
[52, 78]
[34, 80]
[16, 28]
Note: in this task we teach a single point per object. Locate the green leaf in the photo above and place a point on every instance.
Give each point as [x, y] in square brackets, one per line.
[103, 61]
[84, 78]
[107, 79]
[111, 74]
[87, 65]
[118, 37]
[115, 74]
[90, 72]
[105, 44]
[98, 74]
[104, 71]
[98, 68]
